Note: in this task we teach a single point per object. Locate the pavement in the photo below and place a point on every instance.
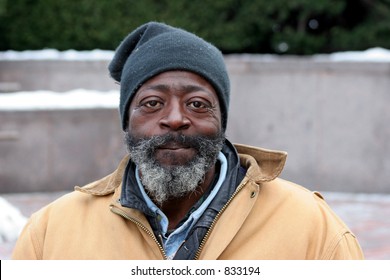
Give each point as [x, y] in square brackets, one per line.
[367, 215]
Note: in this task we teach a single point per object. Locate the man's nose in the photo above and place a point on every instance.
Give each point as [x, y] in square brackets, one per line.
[175, 118]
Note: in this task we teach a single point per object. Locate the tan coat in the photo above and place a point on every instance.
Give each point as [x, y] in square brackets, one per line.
[267, 218]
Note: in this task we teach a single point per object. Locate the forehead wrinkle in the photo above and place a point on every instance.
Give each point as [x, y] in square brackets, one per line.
[181, 88]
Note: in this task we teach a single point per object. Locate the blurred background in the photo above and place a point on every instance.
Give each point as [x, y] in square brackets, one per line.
[308, 77]
[236, 26]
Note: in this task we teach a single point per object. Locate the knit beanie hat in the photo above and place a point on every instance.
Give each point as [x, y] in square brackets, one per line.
[154, 48]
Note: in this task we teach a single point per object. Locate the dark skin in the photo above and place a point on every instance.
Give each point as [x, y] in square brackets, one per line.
[176, 102]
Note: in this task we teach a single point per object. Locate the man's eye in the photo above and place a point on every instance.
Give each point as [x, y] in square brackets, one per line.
[152, 104]
[197, 105]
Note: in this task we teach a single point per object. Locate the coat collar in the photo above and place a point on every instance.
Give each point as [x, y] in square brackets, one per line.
[262, 165]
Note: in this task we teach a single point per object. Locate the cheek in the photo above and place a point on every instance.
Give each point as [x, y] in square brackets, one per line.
[213, 122]
[140, 125]
[208, 126]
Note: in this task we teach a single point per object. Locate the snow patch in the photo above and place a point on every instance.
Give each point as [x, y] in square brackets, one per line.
[370, 55]
[48, 100]
[376, 54]
[11, 222]
[52, 54]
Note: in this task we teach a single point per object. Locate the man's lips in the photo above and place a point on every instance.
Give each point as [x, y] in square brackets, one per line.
[173, 147]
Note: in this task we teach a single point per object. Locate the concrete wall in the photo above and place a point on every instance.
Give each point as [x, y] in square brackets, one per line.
[56, 150]
[332, 118]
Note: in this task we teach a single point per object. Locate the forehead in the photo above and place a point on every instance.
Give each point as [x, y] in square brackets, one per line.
[178, 80]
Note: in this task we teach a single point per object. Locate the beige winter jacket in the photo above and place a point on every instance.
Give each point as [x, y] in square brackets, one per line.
[267, 218]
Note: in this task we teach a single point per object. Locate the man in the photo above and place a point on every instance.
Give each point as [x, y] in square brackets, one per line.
[184, 191]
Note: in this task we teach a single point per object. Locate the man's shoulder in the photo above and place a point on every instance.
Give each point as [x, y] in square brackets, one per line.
[297, 198]
[89, 194]
[291, 190]
[108, 184]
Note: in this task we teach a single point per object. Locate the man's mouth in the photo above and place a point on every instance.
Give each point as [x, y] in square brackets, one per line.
[173, 146]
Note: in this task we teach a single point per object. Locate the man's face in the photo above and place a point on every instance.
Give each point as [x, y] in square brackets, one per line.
[177, 103]
[174, 132]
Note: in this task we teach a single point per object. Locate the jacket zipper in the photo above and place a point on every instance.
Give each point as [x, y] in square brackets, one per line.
[141, 226]
[217, 218]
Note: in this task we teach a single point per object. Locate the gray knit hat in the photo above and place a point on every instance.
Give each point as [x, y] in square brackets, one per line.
[154, 48]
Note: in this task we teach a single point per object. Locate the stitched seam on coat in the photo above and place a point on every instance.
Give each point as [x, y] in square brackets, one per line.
[35, 240]
[334, 244]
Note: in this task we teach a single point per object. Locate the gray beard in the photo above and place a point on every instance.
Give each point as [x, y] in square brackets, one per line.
[163, 183]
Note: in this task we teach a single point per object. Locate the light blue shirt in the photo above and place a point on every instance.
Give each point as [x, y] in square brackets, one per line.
[175, 239]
